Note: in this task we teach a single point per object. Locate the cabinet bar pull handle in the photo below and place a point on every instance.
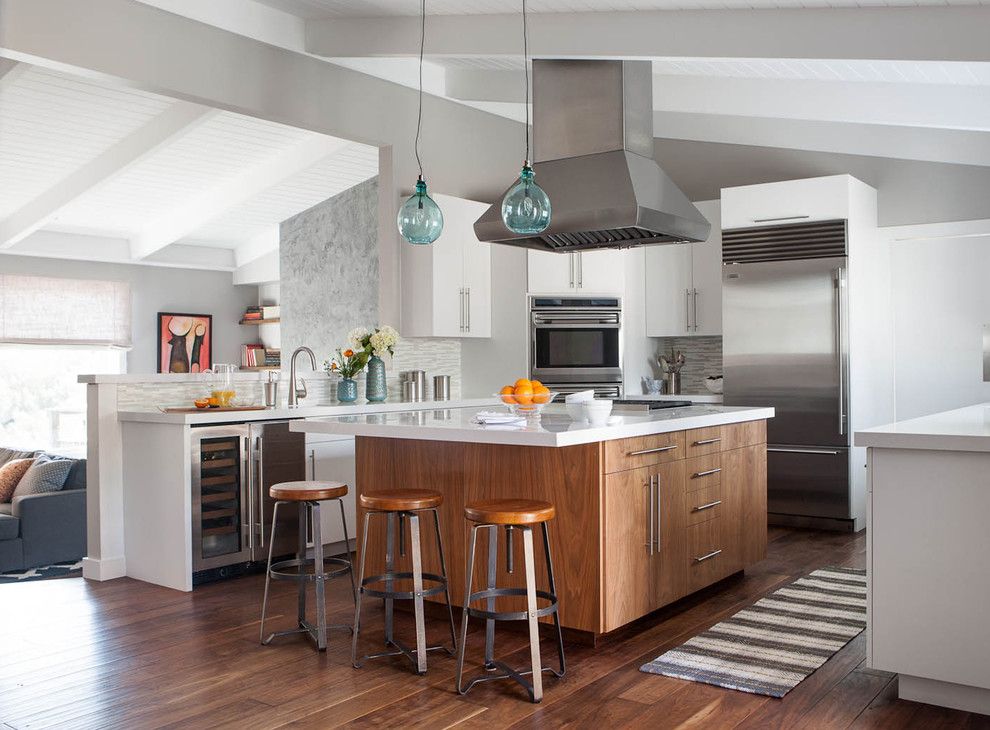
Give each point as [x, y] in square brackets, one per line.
[706, 473]
[652, 526]
[467, 309]
[710, 555]
[694, 303]
[781, 450]
[703, 507]
[687, 310]
[651, 451]
[659, 513]
[705, 442]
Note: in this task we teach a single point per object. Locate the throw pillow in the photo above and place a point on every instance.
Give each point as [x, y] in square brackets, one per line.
[46, 474]
[10, 474]
[11, 454]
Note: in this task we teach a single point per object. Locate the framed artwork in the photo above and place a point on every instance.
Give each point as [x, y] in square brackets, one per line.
[185, 342]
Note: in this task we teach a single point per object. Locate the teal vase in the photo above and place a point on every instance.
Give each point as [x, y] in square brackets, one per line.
[375, 389]
[347, 390]
[526, 207]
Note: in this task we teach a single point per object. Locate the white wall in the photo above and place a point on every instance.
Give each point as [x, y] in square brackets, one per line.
[160, 289]
[941, 298]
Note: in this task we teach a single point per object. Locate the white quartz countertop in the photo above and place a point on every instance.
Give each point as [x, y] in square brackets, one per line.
[555, 428]
[964, 429]
[693, 397]
[207, 416]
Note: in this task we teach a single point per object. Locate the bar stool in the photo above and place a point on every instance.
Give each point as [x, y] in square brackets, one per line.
[397, 506]
[308, 496]
[511, 514]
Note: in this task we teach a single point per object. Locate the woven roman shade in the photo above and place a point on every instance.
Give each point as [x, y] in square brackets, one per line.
[41, 310]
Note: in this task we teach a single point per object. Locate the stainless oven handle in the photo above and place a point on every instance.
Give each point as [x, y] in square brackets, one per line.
[570, 264]
[580, 268]
[572, 325]
[602, 317]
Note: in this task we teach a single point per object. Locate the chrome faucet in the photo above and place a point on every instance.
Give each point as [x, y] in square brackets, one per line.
[298, 391]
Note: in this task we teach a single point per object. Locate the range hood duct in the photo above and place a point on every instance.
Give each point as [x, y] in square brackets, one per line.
[593, 143]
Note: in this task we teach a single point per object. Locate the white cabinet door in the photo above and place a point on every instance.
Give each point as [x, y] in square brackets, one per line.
[791, 201]
[601, 272]
[706, 275]
[334, 461]
[478, 289]
[668, 290]
[551, 273]
[448, 273]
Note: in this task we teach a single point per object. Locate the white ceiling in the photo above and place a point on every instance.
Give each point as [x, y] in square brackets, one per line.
[329, 9]
[53, 125]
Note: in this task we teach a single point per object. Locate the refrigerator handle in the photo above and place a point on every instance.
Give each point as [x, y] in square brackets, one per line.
[247, 492]
[257, 487]
[840, 354]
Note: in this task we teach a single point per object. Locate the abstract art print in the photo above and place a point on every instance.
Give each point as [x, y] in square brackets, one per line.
[185, 342]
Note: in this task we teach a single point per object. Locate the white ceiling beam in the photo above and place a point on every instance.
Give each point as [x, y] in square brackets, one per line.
[258, 245]
[162, 130]
[469, 84]
[950, 146]
[912, 33]
[10, 71]
[179, 224]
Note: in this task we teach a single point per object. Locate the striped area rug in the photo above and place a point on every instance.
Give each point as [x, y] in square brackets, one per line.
[772, 646]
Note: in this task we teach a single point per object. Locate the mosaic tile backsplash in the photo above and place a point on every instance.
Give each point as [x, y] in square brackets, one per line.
[703, 357]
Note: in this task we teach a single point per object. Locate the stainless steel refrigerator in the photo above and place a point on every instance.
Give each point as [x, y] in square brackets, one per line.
[785, 344]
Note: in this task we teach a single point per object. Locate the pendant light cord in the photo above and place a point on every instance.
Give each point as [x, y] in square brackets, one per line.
[419, 116]
[526, 71]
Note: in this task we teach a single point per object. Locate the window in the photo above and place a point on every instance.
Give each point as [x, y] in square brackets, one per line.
[51, 331]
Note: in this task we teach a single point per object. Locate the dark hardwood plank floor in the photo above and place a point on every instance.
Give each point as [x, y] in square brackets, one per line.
[124, 654]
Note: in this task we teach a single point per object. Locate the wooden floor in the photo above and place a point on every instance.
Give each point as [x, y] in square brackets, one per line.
[125, 654]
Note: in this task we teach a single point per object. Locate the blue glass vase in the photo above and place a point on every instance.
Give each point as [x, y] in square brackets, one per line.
[419, 219]
[375, 389]
[347, 390]
[526, 207]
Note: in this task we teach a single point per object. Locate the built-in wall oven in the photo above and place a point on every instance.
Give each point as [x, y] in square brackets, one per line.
[576, 344]
[233, 467]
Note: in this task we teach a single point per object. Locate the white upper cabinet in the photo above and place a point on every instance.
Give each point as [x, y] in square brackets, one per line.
[791, 201]
[447, 285]
[584, 272]
[684, 284]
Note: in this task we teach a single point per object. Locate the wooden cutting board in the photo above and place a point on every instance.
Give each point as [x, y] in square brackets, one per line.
[222, 409]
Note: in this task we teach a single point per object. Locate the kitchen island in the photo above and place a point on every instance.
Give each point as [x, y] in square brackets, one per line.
[648, 509]
[928, 547]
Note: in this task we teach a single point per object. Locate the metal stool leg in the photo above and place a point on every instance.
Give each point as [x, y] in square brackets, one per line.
[359, 592]
[531, 607]
[300, 555]
[389, 568]
[464, 621]
[268, 579]
[490, 623]
[321, 594]
[347, 548]
[446, 588]
[556, 615]
[417, 566]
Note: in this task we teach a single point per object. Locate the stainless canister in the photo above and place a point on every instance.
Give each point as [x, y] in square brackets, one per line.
[441, 387]
[410, 391]
[271, 390]
[418, 377]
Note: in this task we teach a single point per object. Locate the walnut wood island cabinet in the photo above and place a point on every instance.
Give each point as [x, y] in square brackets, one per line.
[642, 520]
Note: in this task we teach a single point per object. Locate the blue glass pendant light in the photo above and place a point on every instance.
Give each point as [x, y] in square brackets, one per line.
[526, 207]
[419, 219]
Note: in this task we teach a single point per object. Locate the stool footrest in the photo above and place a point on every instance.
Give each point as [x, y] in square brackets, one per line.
[402, 595]
[277, 570]
[509, 615]
[508, 672]
[305, 627]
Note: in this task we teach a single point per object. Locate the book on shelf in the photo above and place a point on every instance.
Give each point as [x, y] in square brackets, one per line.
[257, 355]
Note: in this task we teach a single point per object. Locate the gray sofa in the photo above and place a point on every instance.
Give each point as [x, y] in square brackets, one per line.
[41, 529]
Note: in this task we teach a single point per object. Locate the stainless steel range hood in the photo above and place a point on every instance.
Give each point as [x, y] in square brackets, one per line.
[593, 139]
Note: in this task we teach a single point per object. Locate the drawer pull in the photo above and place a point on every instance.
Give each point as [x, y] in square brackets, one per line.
[710, 555]
[705, 442]
[702, 507]
[651, 451]
[706, 473]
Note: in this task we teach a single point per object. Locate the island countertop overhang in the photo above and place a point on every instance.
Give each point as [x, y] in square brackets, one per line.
[554, 429]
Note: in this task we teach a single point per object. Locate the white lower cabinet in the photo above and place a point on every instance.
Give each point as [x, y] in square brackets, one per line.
[332, 459]
[585, 272]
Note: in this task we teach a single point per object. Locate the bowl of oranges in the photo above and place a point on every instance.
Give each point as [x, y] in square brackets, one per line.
[526, 397]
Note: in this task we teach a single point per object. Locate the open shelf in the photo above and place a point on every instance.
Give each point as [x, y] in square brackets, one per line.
[260, 321]
[260, 367]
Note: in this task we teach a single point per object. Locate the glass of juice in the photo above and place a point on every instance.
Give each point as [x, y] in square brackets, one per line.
[223, 384]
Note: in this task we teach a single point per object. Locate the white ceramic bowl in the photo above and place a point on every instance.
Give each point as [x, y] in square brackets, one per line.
[597, 411]
[582, 396]
[575, 411]
[714, 385]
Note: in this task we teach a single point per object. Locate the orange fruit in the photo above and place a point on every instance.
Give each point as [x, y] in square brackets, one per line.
[507, 393]
[523, 392]
[522, 383]
[540, 393]
[536, 385]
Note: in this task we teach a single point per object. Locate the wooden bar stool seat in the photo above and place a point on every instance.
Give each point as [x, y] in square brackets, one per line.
[400, 500]
[510, 511]
[397, 506]
[307, 491]
[510, 514]
[306, 496]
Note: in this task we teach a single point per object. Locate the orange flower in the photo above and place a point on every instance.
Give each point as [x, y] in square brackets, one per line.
[333, 366]
[348, 353]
